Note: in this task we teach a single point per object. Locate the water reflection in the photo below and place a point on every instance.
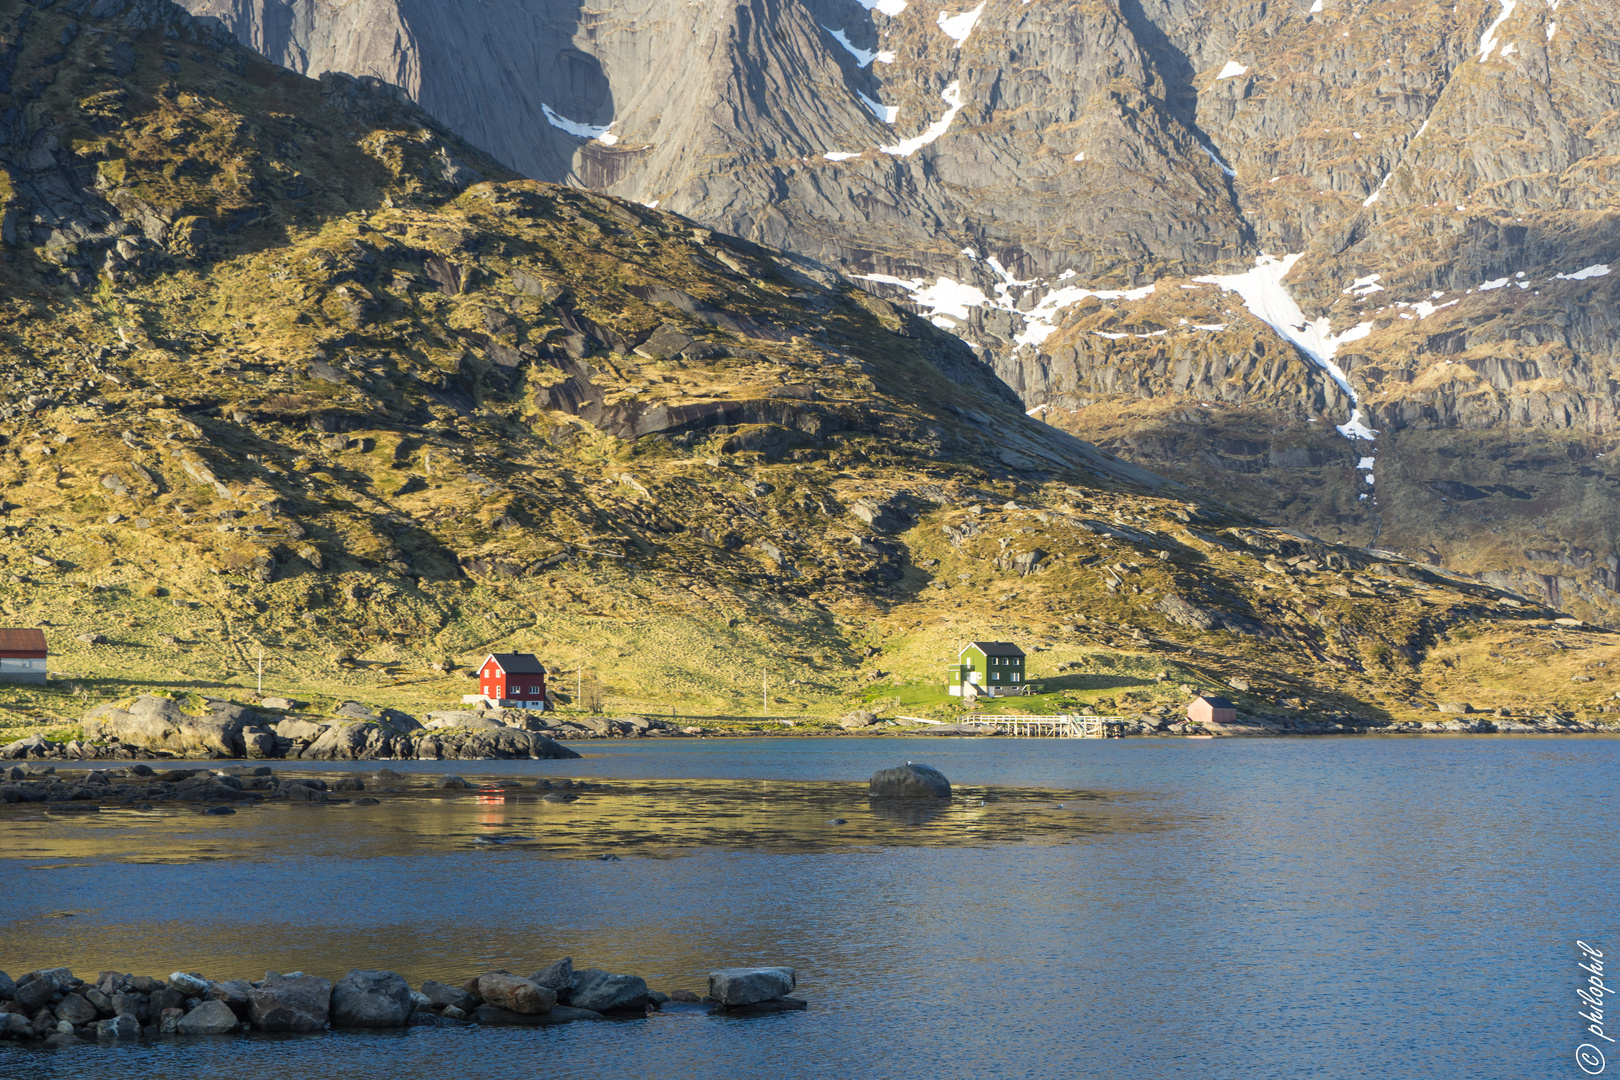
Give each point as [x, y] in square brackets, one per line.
[656, 819]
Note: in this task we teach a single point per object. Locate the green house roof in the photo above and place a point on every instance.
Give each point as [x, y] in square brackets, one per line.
[995, 648]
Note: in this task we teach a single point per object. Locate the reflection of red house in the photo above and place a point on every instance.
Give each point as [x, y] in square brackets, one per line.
[513, 680]
[1212, 710]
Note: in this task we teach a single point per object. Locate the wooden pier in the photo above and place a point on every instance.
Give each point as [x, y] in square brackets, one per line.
[1052, 727]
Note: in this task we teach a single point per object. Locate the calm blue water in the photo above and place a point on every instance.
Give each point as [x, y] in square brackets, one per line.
[1392, 908]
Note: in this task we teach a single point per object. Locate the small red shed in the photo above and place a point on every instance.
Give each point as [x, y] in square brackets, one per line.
[514, 680]
[1211, 710]
[23, 655]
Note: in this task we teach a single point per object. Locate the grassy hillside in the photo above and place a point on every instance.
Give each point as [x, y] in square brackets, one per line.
[287, 369]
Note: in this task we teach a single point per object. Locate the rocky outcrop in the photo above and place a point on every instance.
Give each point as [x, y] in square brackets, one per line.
[161, 723]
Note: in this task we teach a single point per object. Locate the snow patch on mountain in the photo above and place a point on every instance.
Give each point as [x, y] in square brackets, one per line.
[1487, 40]
[885, 113]
[952, 96]
[891, 8]
[862, 57]
[602, 135]
[1269, 301]
[957, 27]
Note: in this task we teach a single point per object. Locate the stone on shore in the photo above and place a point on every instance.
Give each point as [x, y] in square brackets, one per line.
[860, 718]
[515, 994]
[601, 991]
[909, 781]
[366, 998]
[746, 986]
[209, 1018]
[119, 1027]
[8, 988]
[290, 1003]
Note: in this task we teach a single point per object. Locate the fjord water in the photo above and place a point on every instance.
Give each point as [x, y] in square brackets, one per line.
[1349, 907]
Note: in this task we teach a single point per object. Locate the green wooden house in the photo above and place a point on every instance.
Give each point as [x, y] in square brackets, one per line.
[993, 668]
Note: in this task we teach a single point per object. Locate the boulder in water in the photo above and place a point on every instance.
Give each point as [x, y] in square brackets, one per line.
[909, 781]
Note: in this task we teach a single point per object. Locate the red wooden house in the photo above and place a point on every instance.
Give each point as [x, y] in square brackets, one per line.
[513, 680]
[23, 655]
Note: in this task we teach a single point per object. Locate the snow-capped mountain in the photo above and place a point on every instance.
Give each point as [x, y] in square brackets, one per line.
[1346, 262]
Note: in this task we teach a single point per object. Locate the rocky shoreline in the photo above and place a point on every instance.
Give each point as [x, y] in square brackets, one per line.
[158, 727]
[52, 1007]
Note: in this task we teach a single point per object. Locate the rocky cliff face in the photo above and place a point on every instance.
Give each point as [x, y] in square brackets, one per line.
[1048, 178]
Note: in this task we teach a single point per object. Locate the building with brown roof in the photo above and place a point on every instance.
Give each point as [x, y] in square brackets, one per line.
[1211, 710]
[23, 655]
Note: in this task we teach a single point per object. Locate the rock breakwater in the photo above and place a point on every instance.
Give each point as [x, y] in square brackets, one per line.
[54, 1007]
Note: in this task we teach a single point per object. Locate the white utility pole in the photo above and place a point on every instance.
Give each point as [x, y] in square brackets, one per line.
[261, 673]
[765, 695]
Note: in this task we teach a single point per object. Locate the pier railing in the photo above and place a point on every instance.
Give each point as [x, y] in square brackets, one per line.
[1064, 726]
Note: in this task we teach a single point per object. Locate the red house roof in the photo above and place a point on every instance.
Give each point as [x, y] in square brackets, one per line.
[13, 641]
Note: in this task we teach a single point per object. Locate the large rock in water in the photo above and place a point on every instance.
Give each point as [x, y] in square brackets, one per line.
[746, 986]
[910, 781]
[209, 1018]
[159, 723]
[366, 998]
[516, 994]
[600, 991]
[285, 1003]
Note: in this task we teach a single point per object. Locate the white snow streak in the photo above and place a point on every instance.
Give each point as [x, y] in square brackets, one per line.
[957, 27]
[1231, 71]
[839, 156]
[584, 131]
[1487, 41]
[1316, 8]
[862, 57]
[1600, 270]
[1381, 185]
[1365, 286]
[885, 113]
[891, 8]
[906, 147]
[1219, 164]
[1265, 296]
